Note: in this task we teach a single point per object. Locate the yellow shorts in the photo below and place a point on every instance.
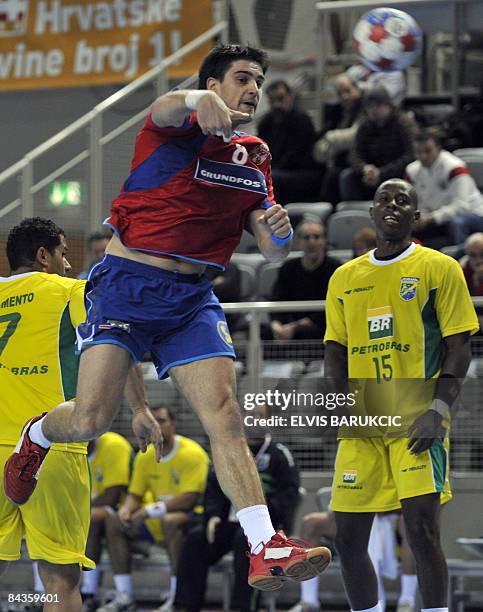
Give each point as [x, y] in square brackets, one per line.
[373, 474]
[55, 520]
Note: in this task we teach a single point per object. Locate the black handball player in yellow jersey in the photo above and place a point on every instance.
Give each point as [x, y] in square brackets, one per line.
[398, 315]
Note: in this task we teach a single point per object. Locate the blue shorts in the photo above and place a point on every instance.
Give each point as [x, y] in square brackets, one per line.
[175, 317]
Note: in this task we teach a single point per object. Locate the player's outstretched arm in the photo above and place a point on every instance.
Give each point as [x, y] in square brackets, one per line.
[213, 115]
[427, 427]
[273, 232]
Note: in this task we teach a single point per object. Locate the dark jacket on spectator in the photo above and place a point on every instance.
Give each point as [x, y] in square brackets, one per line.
[388, 147]
[290, 137]
[280, 481]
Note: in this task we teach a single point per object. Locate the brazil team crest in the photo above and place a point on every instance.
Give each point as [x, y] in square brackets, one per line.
[407, 289]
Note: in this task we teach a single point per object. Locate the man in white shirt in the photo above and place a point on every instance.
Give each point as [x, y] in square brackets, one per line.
[451, 204]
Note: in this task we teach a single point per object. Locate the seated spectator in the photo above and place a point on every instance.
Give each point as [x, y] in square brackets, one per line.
[450, 203]
[363, 241]
[110, 459]
[96, 246]
[304, 278]
[333, 147]
[206, 544]
[393, 82]
[472, 265]
[290, 134]
[175, 484]
[383, 148]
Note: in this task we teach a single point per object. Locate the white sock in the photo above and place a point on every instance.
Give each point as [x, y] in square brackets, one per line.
[409, 586]
[90, 582]
[172, 587]
[257, 525]
[376, 608]
[310, 592]
[37, 435]
[434, 609]
[38, 584]
[123, 583]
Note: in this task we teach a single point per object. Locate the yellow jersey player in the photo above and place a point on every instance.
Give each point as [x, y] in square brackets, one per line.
[401, 312]
[175, 486]
[39, 311]
[110, 463]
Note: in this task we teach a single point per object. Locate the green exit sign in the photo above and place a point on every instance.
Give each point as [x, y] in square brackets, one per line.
[65, 193]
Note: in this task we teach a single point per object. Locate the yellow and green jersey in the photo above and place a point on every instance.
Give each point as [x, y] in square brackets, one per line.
[110, 463]
[39, 314]
[183, 470]
[392, 316]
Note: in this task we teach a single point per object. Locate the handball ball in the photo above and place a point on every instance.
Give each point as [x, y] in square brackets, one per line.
[387, 39]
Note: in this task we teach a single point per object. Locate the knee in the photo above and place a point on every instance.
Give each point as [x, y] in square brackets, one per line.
[59, 579]
[226, 419]
[113, 525]
[310, 524]
[423, 538]
[172, 525]
[349, 546]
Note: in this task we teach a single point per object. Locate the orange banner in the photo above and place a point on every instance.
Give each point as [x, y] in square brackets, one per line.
[74, 43]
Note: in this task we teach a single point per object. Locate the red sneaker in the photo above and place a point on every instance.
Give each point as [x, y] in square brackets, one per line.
[285, 558]
[23, 466]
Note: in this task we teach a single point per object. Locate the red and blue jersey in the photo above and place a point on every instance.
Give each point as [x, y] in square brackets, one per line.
[189, 195]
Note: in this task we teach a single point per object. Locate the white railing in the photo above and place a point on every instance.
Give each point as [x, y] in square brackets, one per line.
[93, 121]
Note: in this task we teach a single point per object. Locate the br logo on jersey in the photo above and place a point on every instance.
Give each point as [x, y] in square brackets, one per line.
[223, 332]
[349, 477]
[380, 323]
[408, 287]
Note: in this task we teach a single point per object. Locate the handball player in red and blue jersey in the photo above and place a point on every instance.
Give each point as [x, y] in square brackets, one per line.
[196, 183]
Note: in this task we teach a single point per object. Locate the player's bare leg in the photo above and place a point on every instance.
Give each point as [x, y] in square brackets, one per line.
[61, 581]
[210, 388]
[422, 520]
[174, 535]
[352, 541]
[103, 372]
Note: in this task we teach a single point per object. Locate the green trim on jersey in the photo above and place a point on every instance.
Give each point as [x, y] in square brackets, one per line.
[433, 346]
[68, 360]
[438, 463]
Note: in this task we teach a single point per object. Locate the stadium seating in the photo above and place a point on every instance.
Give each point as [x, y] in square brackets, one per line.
[247, 282]
[342, 226]
[470, 152]
[298, 210]
[354, 205]
[475, 165]
[267, 275]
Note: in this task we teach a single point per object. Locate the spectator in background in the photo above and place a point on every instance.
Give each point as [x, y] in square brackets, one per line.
[333, 147]
[175, 485]
[290, 134]
[110, 460]
[383, 147]
[473, 263]
[450, 203]
[206, 544]
[304, 278]
[393, 82]
[363, 241]
[96, 246]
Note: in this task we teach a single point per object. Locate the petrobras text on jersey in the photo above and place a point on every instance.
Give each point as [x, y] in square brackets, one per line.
[231, 175]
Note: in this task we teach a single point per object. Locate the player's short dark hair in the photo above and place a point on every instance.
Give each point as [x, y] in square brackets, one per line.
[218, 61]
[413, 194]
[26, 238]
[170, 411]
[100, 235]
[274, 85]
[425, 135]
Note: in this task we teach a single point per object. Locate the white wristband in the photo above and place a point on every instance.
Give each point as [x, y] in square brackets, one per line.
[192, 98]
[440, 407]
[156, 510]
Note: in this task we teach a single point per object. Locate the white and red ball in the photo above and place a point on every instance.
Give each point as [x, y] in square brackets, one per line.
[387, 39]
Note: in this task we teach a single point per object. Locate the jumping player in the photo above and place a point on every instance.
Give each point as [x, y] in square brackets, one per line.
[401, 311]
[196, 183]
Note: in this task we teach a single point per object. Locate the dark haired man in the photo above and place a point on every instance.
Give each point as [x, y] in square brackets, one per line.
[95, 249]
[39, 311]
[450, 202]
[399, 320]
[196, 182]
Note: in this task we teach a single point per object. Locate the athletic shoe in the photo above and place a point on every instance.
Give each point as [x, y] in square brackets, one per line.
[301, 606]
[406, 606]
[285, 558]
[23, 466]
[123, 602]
